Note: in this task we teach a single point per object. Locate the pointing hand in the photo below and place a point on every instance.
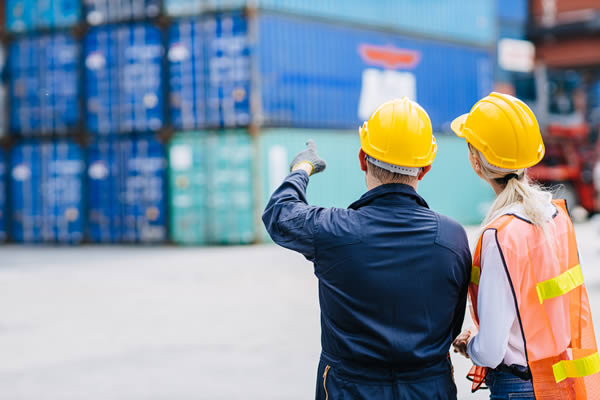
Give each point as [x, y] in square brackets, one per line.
[308, 160]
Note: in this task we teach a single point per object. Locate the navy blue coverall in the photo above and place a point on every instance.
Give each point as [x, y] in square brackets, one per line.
[393, 278]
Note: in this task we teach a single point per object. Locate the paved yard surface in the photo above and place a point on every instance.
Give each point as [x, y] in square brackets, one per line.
[103, 323]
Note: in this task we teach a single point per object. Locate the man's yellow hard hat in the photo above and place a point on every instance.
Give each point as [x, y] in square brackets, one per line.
[399, 133]
[504, 130]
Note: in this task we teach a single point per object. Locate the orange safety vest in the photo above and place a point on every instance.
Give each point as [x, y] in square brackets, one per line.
[552, 306]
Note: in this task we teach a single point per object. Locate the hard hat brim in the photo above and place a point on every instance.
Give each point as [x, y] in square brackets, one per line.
[457, 125]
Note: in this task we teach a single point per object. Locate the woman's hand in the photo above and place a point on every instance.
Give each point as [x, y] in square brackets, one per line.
[461, 341]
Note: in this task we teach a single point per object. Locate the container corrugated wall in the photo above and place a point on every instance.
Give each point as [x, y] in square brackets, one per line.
[212, 188]
[188, 188]
[126, 191]
[3, 95]
[27, 15]
[209, 64]
[313, 74]
[187, 74]
[46, 192]
[123, 78]
[343, 182]
[445, 19]
[356, 70]
[99, 12]
[3, 202]
[44, 88]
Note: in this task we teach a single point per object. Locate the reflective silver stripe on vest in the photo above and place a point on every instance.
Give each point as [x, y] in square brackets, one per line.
[394, 168]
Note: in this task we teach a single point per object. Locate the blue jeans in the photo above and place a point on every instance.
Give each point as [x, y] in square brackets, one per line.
[506, 386]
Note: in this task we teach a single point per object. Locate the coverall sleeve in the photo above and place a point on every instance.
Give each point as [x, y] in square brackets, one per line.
[290, 221]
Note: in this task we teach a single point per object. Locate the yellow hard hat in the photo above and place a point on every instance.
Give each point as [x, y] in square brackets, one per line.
[504, 130]
[399, 133]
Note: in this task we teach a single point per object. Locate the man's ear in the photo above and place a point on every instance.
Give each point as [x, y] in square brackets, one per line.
[363, 161]
[424, 171]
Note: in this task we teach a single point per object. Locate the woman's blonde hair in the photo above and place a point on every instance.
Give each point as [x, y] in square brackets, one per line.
[518, 189]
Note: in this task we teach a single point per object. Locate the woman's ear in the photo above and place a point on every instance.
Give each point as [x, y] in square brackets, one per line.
[363, 161]
[475, 163]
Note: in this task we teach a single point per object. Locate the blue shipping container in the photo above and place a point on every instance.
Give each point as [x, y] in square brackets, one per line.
[99, 12]
[2, 196]
[123, 71]
[44, 88]
[439, 18]
[126, 191]
[28, 15]
[46, 192]
[513, 10]
[210, 73]
[3, 94]
[313, 74]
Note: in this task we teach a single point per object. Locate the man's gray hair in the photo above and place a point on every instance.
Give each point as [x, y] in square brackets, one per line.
[384, 175]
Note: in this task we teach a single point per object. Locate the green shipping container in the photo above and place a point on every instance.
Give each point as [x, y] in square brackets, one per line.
[211, 195]
[450, 188]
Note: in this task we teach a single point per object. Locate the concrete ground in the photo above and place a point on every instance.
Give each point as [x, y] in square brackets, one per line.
[172, 323]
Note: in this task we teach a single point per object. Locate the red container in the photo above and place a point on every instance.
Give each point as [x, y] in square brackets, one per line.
[576, 52]
[563, 11]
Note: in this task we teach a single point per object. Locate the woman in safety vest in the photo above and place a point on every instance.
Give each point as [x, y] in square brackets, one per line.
[535, 337]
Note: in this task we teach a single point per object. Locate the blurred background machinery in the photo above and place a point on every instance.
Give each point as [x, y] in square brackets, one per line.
[563, 86]
[148, 121]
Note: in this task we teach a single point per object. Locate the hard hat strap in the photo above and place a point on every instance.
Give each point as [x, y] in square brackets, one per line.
[411, 171]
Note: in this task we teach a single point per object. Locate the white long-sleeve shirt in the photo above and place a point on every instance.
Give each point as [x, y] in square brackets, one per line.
[499, 339]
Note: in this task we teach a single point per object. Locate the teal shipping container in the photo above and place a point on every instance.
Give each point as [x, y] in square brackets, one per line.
[450, 188]
[211, 187]
[470, 21]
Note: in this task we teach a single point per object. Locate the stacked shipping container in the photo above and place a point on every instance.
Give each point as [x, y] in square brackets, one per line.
[45, 177]
[442, 19]
[229, 72]
[3, 202]
[124, 96]
[46, 192]
[44, 88]
[126, 186]
[28, 15]
[312, 74]
[98, 12]
[123, 71]
[211, 187]
[272, 70]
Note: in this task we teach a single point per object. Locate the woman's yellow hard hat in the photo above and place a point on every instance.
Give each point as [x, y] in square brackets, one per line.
[504, 130]
[399, 133]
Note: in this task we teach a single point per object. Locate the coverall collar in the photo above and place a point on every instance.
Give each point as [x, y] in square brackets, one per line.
[389, 188]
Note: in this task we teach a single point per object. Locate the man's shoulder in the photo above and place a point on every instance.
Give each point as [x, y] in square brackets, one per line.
[338, 226]
[451, 234]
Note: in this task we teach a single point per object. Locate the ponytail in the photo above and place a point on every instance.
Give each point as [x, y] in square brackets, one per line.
[532, 198]
[518, 189]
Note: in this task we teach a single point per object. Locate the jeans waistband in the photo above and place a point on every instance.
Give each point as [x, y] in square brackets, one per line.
[373, 371]
[517, 370]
